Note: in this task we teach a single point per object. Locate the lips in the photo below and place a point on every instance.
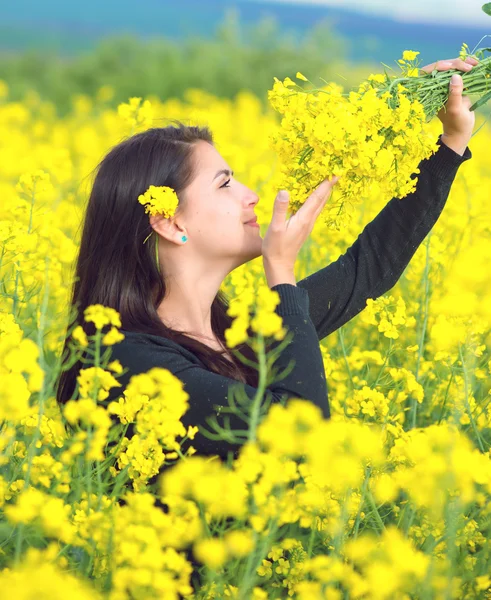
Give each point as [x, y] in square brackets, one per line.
[254, 220]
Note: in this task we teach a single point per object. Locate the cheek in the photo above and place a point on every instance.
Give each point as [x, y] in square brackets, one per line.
[228, 232]
[223, 226]
[227, 217]
[218, 217]
[230, 228]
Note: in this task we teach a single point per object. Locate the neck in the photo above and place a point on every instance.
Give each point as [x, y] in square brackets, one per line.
[187, 303]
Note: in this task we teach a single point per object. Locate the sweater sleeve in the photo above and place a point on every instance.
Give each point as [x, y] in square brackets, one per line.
[378, 257]
[208, 391]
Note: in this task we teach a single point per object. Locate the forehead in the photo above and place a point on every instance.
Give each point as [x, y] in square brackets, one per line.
[207, 158]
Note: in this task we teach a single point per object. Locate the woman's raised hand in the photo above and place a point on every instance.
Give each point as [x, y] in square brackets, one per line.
[458, 121]
[285, 237]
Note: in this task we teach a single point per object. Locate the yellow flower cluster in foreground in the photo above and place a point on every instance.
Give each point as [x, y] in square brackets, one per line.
[388, 499]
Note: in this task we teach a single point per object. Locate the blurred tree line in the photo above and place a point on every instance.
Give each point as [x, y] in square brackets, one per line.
[238, 57]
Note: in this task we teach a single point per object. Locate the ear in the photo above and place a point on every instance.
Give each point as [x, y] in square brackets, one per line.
[168, 229]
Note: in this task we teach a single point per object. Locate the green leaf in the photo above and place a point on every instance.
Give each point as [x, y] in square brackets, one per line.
[487, 8]
[481, 101]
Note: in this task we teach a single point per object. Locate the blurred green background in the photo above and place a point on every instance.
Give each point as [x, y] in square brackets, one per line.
[158, 47]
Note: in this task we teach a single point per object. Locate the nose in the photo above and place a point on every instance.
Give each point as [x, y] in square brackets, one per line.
[254, 198]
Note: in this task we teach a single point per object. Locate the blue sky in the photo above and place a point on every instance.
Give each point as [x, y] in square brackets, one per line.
[466, 12]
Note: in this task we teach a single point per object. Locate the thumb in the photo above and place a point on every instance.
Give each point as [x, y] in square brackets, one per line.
[455, 94]
[280, 207]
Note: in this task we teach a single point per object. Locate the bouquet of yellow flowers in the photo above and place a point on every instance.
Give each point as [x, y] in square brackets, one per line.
[372, 138]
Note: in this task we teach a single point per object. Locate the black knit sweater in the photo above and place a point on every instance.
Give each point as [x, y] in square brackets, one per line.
[314, 308]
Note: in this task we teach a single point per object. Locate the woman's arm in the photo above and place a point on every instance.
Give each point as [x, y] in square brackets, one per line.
[378, 257]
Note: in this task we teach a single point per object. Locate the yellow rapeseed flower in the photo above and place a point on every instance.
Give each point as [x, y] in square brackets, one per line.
[409, 54]
[159, 200]
[102, 315]
[211, 551]
[135, 113]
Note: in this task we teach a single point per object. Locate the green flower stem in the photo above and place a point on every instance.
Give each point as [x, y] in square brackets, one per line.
[33, 199]
[255, 559]
[377, 516]
[41, 403]
[442, 410]
[364, 488]
[256, 403]
[466, 401]
[409, 521]
[97, 462]
[122, 479]
[426, 301]
[453, 512]
[103, 464]
[18, 544]
[350, 374]
[432, 90]
[343, 518]
[205, 523]
[89, 428]
[313, 531]
[388, 354]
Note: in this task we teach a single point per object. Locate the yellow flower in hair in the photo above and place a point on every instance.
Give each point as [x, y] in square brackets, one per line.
[159, 200]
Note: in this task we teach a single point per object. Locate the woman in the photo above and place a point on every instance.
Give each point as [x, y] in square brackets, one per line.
[173, 314]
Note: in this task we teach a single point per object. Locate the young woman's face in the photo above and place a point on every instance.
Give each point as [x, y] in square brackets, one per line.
[216, 210]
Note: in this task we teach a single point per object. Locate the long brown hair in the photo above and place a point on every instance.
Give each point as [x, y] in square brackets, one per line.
[116, 269]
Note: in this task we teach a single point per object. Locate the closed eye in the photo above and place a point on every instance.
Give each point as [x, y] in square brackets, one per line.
[226, 184]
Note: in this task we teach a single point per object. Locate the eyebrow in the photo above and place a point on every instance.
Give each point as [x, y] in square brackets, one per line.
[223, 172]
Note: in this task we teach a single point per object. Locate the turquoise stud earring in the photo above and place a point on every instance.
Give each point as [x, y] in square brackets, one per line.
[184, 238]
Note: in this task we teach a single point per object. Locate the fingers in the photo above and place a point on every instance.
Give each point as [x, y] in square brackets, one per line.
[440, 65]
[452, 63]
[333, 181]
[310, 209]
[318, 197]
[315, 202]
[459, 64]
